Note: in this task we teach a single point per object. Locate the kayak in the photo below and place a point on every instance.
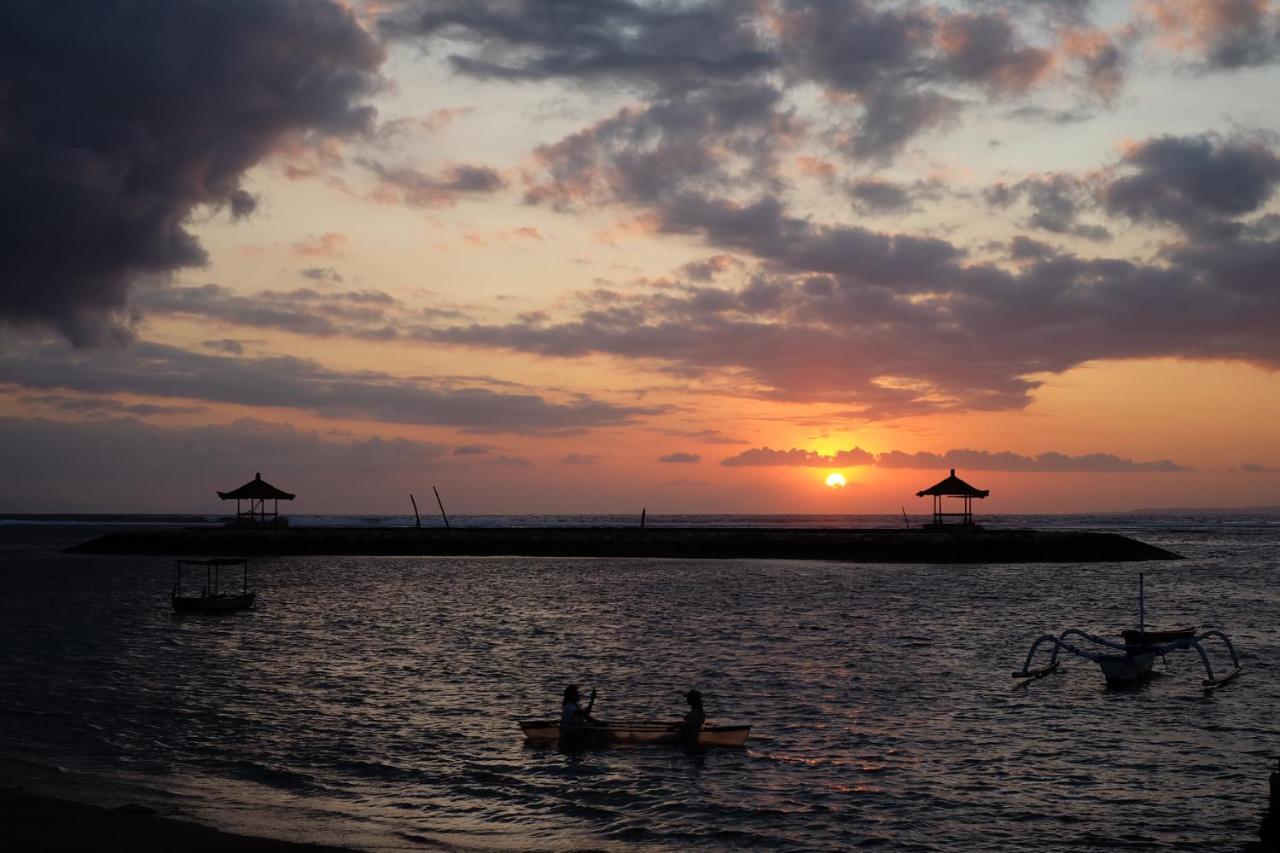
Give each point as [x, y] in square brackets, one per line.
[643, 733]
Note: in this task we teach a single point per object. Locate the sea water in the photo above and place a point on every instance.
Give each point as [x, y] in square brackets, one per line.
[372, 701]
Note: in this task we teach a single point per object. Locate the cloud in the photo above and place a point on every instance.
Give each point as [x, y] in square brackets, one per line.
[103, 406]
[1197, 183]
[1056, 201]
[725, 137]
[681, 458]
[403, 185]
[168, 117]
[1221, 34]
[328, 274]
[764, 456]
[156, 370]
[331, 244]
[984, 49]
[665, 46]
[357, 313]
[581, 459]
[707, 436]
[877, 195]
[471, 450]
[1050, 462]
[125, 464]
[889, 62]
[1255, 468]
[509, 462]
[975, 460]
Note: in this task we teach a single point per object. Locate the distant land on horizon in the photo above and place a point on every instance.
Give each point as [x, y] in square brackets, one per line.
[1207, 510]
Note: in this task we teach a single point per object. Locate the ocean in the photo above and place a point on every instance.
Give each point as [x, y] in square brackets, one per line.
[372, 701]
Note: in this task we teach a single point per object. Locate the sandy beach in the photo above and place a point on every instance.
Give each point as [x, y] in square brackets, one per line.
[36, 823]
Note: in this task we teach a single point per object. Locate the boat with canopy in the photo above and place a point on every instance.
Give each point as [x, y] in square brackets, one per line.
[212, 597]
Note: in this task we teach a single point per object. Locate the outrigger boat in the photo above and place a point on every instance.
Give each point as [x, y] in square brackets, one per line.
[641, 733]
[1129, 662]
[212, 599]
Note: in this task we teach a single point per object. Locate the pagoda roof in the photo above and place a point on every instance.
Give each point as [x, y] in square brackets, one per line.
[256, 489]
[953, 486]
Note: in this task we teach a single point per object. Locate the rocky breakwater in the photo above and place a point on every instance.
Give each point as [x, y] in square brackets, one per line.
[851, 545]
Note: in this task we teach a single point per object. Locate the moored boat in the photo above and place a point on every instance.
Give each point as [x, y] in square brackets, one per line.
[211, 598]
[637, 733]
[212, 603]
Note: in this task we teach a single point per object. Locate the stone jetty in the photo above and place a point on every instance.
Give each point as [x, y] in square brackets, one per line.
[959, 544]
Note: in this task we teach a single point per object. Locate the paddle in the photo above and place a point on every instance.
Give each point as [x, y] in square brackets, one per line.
[591, 703]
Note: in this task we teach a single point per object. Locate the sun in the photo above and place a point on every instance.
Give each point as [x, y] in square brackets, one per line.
[836, 480]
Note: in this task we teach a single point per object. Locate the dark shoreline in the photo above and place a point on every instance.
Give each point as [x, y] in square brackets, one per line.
[30, 821]
[848, 545]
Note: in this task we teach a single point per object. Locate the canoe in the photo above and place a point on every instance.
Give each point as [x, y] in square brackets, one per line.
[212, 603]
[642, 733]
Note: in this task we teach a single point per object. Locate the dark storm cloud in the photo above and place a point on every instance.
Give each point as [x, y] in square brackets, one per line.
[121, 119]
[666, 45]
[1056, 202]
[155, 370]
[1198, 183]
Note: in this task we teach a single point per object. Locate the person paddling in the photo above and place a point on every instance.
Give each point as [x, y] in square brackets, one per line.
[572, 714]
[694, 719]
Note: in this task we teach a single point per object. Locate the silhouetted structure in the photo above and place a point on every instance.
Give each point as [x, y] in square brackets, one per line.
[953, 487]
[257, 492]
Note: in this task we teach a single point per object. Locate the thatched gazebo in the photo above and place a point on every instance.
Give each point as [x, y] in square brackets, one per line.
[953, 487]
[257, 492]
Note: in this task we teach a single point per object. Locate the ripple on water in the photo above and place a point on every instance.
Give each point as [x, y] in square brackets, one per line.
[376, 697]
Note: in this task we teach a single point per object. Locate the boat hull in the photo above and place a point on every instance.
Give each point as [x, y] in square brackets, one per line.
[1124, 670]
[643, 734]
[212, 604]
[1134, 637]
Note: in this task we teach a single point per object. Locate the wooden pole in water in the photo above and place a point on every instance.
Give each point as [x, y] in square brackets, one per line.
[417, 519]
[904, 518]
[642, 512]
[1142, 607]
[441, 503]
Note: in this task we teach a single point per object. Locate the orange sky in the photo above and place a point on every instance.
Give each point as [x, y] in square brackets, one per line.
[679, 284]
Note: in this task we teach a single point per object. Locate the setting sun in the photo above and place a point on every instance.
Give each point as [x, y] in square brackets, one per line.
[836, 480]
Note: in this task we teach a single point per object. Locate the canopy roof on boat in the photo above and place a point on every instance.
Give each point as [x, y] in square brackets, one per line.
[256, 489]
[953, 486]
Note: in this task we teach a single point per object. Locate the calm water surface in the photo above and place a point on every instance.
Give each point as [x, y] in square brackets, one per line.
[372, 701]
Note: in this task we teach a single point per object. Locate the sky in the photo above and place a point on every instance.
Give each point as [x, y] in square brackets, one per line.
[589, 256]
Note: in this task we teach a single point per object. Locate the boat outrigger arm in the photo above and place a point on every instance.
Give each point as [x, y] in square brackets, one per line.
[1121, 662]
